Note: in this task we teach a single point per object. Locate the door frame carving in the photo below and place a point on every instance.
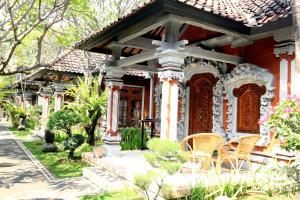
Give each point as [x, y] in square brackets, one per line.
[247, 73]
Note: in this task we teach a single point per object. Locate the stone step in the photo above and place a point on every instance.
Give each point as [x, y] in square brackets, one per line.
[104, 179]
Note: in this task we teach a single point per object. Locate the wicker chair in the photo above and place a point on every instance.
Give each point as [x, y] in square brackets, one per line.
[202, 148]
[242, 151]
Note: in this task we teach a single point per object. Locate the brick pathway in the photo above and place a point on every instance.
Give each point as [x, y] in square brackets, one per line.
[22, 177]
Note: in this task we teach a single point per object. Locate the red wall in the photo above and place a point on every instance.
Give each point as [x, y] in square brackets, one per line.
[261, 54]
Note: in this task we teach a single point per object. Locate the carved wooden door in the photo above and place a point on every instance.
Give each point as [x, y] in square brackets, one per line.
[248, 107]
[201, 103]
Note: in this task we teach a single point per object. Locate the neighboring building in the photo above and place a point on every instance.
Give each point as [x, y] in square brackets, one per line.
[209, 66]
[44, 83]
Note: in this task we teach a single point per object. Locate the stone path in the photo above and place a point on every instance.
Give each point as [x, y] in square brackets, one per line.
[22, 177]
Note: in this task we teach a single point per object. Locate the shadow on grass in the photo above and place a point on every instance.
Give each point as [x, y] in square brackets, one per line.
[20, 134]
[56, 162]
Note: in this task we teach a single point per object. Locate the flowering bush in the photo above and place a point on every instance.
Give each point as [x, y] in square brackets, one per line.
[284, 120]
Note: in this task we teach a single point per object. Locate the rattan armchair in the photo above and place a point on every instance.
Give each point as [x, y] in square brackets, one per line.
[242, 151]
[201, 147]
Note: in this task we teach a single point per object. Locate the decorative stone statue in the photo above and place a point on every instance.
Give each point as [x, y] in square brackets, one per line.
[21, 126]
[49, 138]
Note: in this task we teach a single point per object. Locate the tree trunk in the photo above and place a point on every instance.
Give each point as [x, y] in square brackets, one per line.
[90, 130]
[71, 154]
[296, 21]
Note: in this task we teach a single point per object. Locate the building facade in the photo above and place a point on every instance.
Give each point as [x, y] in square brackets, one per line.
[198, 66]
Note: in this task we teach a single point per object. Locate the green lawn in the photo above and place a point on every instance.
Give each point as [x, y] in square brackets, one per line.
[126, 194]
[57, 162]
[20, 134]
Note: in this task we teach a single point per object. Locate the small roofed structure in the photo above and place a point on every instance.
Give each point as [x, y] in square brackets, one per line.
[45, 82]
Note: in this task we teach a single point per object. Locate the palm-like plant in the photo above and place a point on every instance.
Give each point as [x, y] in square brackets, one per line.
[90, 104]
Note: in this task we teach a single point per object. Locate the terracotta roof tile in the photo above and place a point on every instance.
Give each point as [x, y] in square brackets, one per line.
[74, 61]
[249, 12]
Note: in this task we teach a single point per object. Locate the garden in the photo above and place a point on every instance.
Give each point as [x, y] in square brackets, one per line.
[73, 131]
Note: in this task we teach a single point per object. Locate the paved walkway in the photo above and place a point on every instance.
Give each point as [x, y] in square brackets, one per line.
[23, 178]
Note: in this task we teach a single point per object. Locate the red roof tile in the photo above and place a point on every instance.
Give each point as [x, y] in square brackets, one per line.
[74, 61]
[249, 12]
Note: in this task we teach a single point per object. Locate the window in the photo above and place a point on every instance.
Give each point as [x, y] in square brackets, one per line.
[248, 107]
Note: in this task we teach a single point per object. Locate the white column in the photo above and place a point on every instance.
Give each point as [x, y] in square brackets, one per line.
[169, 105]
[46, 102]
[113, 106]
[283, 88]
[58, 94]
[58, 101]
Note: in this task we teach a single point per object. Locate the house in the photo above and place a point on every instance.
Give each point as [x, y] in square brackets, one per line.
[50, 82]
[211, 66]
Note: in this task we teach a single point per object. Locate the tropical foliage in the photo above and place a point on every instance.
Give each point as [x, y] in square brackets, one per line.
[284, 119]
[131, 138]
[90, 104]
[63, 120]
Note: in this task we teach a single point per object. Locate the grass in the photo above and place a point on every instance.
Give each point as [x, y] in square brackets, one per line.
[20, 134]
[266, 197]
[56, 162]
[126, 194]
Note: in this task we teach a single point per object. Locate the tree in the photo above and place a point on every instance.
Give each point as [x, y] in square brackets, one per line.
[296, 17]
[63, 120]
[90, 104]
[26, 22]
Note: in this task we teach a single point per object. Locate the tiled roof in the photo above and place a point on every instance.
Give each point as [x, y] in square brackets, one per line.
[249, 12]
[74, 61]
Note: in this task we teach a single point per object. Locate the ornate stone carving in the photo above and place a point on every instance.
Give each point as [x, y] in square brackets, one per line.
[180, 125]
[139, 73]
[245, 74]
[170, 74]
[114, 83]
[288, 48]
[157, 99]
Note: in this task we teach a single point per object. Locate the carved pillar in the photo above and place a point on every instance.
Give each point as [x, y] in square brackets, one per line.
[46, 94]
[59, 95]
[113, 105]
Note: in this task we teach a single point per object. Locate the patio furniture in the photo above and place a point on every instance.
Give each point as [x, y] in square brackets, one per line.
[242, 151]
[201, 147]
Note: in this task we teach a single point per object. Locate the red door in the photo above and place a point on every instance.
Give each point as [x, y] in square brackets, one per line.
[201, 103]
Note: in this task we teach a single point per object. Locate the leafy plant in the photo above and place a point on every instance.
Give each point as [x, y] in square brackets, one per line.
[90, 104]
[16, 112]
[165, 155]
[83, 148]
[63, 120]
[72, 143]
[284, 119]
[131, 138]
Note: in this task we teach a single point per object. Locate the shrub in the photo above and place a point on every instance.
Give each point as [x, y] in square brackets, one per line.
[63, 120]
[165, 155]
[131, 138]
[284, 119]
[60, 136]
[273, 179]
[15, 112]
[83, 148]
[72, 143]
[33, 117]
